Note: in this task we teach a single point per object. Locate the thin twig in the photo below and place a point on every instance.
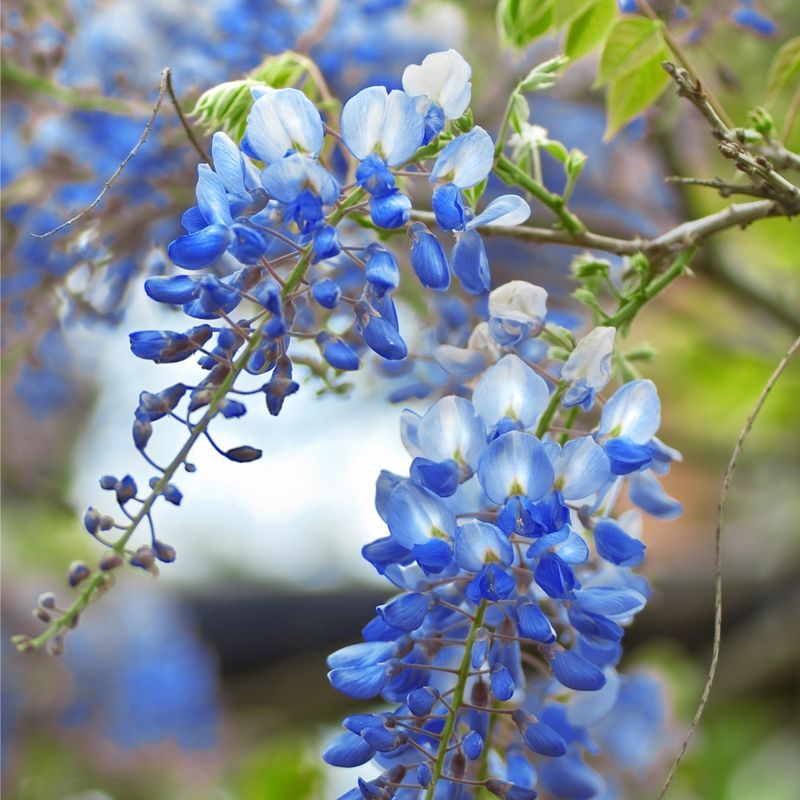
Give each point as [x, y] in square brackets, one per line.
[726, 482]
[725, 188]
[189, 132]
[118, 171]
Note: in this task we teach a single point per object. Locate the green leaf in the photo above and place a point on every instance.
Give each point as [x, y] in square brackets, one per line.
[785, 68]
[631, 43]
[567, 10]
[590, 28]
[543, 75]
[556, 149]
[522, 21]
[519, 112]
[633, 92]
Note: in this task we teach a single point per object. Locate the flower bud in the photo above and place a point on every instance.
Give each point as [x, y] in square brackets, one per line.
[78, 571]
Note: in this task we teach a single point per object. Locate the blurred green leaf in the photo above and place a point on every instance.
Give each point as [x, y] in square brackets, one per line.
[785, 69]
[280, 769]
[567, 10]
[633, 92]
[633, 42]
[522, 21]
[589, 29]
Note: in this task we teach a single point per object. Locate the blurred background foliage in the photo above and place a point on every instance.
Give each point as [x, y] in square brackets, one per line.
[210, 684]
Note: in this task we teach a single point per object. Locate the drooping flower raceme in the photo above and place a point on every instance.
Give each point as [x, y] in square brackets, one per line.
[515, 580]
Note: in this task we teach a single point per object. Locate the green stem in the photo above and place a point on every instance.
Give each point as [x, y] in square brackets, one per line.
[337, 215]
[511, 173]
[75, 98]
[571, 417]
[550, 411]
[458, 697]
[632, 307]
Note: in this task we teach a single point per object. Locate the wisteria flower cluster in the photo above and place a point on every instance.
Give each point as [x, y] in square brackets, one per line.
[515, 578]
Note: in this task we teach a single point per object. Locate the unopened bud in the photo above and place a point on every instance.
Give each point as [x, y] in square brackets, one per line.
[55, 647]
[41, 615]
[164, 552]
[22, 642]
[47, 600]
[78, 571]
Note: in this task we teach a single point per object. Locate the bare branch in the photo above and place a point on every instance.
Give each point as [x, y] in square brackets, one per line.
[184, 122]
[124, 163]
[689, 233]
[726, 482]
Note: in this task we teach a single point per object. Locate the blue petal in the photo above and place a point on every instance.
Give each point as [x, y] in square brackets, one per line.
[384, 339]
[575, 672]
[452, 429]
[508, 209]
[428, 258]
[286, 179]
[201, 249]
[382, 271]
[363, 683]
[582, 468]
[556, 577]
[414, 515]
[610, 601]
[176, 289]
[473, 745]
[515, 464]
[362, 654]
[502, 682]
[212, 199]
[392, 210]
[441, 477]
[646, 492]
[466, 160]
[542, 739]
[614, 545]
[625, 456]
[403, 128]
[326, 292]
[406, 612]
[511, 389]
[448, 207]
[533, 622]
[634, 410]
[340, 355]
[480, 543]
[347, 750]
[433, 556]
[389, 124]
[460, 362]
[471, 264]
[228, 163]
[570, 778]
[283, 120]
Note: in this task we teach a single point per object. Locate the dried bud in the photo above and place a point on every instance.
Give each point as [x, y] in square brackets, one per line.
[110, 560]
[480, 693]
[55, 647]
[143, 557]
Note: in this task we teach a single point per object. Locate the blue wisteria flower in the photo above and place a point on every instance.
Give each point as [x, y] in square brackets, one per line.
[499, 653]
